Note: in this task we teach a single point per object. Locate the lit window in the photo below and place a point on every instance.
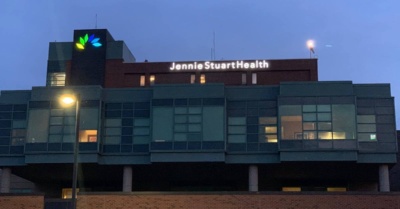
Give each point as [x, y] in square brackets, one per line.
[202, 78]
[291, 189]
[271, 138]
[192, 78]
[244, 79]
[254, 78]
[88, 136]
[142, 80]
[152, 79]
[323, 122]
[270, 129]
[67, 193]
[56, 79]
[325, 135]
[336, 189]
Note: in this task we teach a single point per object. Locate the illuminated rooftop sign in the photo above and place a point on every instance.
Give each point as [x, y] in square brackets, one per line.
[83, 40]
[228, 65]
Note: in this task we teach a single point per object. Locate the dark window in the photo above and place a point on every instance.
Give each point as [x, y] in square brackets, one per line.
[214, 101]
[5, 123]
[194, 102]
[39, 104]
[127, 122]
[142, 113]
[113, 114]
[127, 113]
[126, 140]
[113, 106]
[142, 105]
[127, 106]
[5, 132]
[5, 115]
[90, 103]
[5, 107]
[181, 102]
[19, 115]
[163, 102]
[20, 108]
[236, 104]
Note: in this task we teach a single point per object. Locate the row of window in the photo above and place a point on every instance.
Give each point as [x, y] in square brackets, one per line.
[184, 122]
[202, 79]
[58, 79]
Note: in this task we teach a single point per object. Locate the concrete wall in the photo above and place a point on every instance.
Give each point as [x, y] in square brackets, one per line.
[21, 201]
[237, 200]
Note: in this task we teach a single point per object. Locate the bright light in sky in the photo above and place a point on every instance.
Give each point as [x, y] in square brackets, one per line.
[310, 44]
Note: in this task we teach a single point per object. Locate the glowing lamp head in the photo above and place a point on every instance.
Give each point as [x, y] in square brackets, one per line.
[67, 100]
[310, 44]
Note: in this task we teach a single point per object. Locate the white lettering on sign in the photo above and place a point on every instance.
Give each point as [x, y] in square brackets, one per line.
[232, 65]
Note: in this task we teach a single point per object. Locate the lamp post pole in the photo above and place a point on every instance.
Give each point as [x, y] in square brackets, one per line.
[76, 151]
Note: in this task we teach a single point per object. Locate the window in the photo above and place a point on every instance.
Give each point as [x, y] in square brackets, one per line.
[142, 80]
[237, 129]
[88, 136]
[336, 189]
[62, 125]
[187, 123]
[202, 78]
[192, 78]
[253, 123]
[268, 129]
[126, 124]
[152, 79]
[67, 193]
[366, 127]
[18, 136]
[291, 189]
[254, 78]
[38, 126]
[291, 122]
[324, 122]
[56, 79]
[244, 79]
[343, 121]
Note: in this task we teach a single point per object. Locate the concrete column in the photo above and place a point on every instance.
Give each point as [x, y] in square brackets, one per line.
[127, 179]
[384, 185]
[253, 178]
[5, 180]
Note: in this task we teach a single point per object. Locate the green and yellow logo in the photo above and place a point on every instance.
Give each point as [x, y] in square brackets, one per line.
[85, 39]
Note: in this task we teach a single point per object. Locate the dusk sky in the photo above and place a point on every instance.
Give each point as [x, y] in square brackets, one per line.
[356, 40]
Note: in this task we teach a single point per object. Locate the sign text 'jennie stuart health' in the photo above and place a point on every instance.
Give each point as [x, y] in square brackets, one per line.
[229, 65]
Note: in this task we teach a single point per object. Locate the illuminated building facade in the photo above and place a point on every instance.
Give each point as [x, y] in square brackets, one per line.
[237, 125]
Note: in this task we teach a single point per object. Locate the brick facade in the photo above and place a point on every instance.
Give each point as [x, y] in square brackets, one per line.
[236, 201]
[126, 75]
[21, 201]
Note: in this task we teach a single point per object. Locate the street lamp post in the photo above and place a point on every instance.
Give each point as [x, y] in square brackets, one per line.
[68, 101]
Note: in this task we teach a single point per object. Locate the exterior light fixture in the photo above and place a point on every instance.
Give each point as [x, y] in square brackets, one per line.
[66, 101]
[310, 46]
